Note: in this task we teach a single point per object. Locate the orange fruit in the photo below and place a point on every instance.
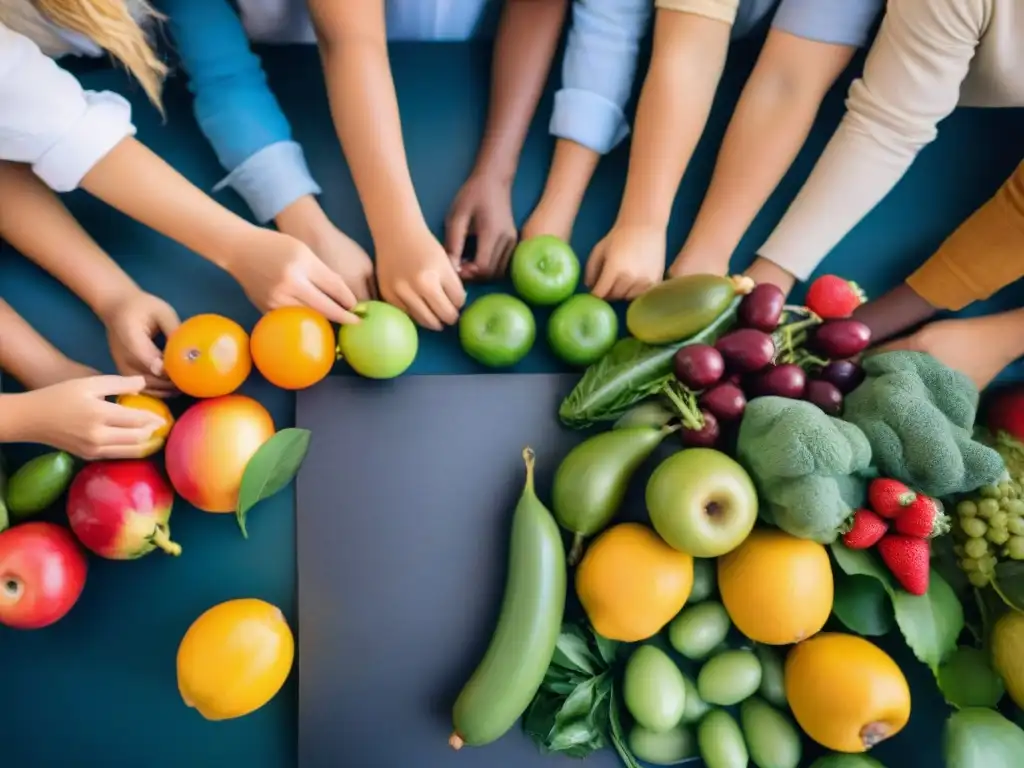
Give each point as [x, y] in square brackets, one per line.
[234, 658]
[631, 583]
[152, 405]
[776, 588]
[845, 692]
[208, 356]
[293, 347]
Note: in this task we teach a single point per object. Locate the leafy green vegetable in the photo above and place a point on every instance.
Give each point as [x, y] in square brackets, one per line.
[1008, 583]
[630, 372]
[967, 679]
[270, 469]
[862, 604]
[930, 623]
[576, 710]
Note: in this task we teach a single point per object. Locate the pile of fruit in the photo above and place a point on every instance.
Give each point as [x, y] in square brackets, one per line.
[800, 496]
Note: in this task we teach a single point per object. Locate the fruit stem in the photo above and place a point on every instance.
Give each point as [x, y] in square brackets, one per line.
[576, 551]
[162, 538]
[529, 459]
[456, 742]
[689, 415]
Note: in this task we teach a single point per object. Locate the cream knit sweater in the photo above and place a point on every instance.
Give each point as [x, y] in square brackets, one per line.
[929, 57]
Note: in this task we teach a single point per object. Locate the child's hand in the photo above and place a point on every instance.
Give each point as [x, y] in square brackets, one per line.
[482, 208]
[547, 220]
[76, 417]
[628, 261]
[305, 220]
[131, 323]
[415, 274]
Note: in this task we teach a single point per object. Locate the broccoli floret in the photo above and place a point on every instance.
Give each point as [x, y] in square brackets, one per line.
[808, 466]
[918, 415]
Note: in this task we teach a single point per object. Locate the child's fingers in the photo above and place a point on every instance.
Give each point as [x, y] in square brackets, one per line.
[123, 417]
[111, 386]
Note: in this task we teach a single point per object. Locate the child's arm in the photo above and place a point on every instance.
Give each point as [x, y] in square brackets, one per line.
[74, 138]
[911, 81]
[686, 64]
[36, 223]
[29, 357]
[808, 47]
[588, 121]
[523, 50]
[413, 270]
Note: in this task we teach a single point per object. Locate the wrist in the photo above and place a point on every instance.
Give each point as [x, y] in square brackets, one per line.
[13, 419]
[492, 165]
[301, 218]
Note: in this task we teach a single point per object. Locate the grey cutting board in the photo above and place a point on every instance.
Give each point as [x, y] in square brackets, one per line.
[403, 511]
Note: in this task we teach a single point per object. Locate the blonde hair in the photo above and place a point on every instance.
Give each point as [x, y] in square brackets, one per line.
[110, 25]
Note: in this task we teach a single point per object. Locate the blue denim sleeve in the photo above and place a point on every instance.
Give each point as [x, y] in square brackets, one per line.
[598, 70]
[841, 22]
[235, 108]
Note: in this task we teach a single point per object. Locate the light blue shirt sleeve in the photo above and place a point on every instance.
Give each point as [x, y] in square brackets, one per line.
[235, 108]
[840, 22]
[598, 70]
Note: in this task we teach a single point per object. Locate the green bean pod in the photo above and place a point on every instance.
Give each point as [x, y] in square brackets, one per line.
[523, 642]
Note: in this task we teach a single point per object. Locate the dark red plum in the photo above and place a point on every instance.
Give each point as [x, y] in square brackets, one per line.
[788, 380]
[746, 350]
[726, 401]
[844, 375]
[825, 395]
[698, 366]
[705, 437]
[762, 308]
[839, 339]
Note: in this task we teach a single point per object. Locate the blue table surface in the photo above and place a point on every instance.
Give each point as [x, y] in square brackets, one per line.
[99, 687]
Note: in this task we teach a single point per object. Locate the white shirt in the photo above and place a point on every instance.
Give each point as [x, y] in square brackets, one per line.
[48, 121]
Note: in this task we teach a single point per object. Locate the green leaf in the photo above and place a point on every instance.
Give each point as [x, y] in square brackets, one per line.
[617, 734]
[571, 652]
[630, 372]
[607, 649]
[967, 679]
[270, 469]
[579, 703]
[574, 734]
[1008, 583]
[930, 623]
[862, 605]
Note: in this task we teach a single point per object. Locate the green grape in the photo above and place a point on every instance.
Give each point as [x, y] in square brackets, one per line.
[999, 520]
[978, 579]
[988, 564]
[969, 564]
[998, 535]
[967, 508]
[976, 548]
[987, 508]
[1014, 507]
[988, 491]
[974, 527]
[1015, 548]
[1005, 489]
[1015, 525]
[959, 551]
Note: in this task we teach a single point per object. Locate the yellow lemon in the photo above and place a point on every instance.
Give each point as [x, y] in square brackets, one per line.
[845, 692]
[235, 658]
[152, 405]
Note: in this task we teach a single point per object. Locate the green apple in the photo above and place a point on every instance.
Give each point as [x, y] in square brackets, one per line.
[701, 502]
[497, 330]
[545, 270]
[381, 346]
[582, 329]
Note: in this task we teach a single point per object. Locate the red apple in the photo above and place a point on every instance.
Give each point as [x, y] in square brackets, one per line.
[210, 446]
[120, 509]
[42, 574]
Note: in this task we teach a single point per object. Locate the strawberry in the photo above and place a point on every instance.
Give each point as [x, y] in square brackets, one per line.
[924, 518]
[907, 557]
[1006, 413]
[889, 497]
[865, 531]
[832, 297]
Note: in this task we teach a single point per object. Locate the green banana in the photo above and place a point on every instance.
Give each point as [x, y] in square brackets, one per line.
[523, 642]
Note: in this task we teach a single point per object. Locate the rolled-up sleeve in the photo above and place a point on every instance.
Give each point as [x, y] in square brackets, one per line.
[235, 108]
[720, 10]
[48, 121]
[598, 72]
[839, 22]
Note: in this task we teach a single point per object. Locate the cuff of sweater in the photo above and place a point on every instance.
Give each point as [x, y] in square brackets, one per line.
[588, 119]
[272, 179]
[943, 285]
